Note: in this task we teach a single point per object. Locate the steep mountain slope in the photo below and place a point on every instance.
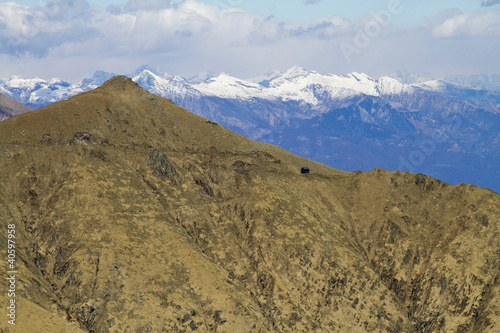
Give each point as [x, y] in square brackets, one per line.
[134, 215]
[351, 122]
[9, 107]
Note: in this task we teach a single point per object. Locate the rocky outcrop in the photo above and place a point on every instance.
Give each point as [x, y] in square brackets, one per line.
[163, 167]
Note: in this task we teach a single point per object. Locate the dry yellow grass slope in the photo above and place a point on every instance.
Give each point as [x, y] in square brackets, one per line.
[134, 215]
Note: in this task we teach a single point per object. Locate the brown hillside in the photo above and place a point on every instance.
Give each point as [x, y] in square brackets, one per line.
[134, 215]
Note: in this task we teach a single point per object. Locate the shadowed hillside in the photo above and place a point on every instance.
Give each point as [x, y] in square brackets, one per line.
[134, 215]
[9, 107]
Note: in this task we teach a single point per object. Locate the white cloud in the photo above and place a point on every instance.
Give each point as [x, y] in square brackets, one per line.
[35, 30]
[151, 25]
[188, 37]
[324, 28]
[480, 23]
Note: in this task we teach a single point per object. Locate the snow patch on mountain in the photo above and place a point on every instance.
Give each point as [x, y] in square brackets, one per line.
[389, 86]
[163, 85]
[226, 86]
[434, 85]
[296, 84]
[301, 85]
[4, 91]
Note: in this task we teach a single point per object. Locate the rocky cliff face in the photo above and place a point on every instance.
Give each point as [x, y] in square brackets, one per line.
[134, 215]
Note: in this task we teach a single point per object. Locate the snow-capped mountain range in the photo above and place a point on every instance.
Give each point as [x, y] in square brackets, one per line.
[296, 84]
[350, 121]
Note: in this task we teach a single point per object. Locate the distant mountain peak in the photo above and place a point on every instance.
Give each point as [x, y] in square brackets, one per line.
[390, 86]
[146, 72]
[97, 79]
[361, 76]
[144, 68]
[201, 77]
[224, 75]
[17, 81]
[295, 71]
[266, 78]
[101, 74]
[434, 85]
[410, 78]
[147, 78]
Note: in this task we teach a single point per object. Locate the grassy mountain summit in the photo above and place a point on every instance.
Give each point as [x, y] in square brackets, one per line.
[134, 215]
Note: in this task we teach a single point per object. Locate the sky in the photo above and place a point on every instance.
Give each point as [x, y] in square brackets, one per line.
[71, 39]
